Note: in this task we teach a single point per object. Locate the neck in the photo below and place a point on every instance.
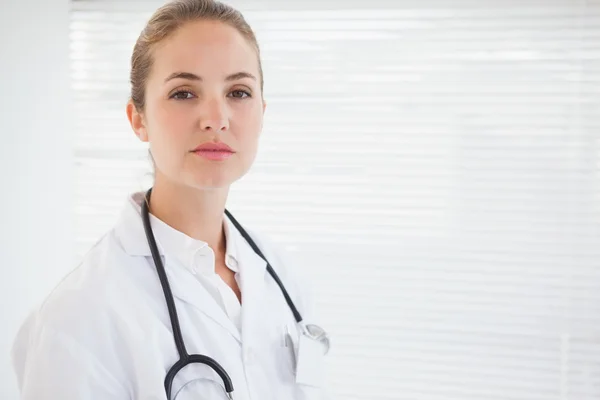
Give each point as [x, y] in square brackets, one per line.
[194, 212]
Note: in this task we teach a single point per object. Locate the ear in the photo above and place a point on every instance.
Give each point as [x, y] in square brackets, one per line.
[136, 120]
[264, 106]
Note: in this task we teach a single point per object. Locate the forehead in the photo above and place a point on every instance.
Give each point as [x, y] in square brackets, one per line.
[208, 48]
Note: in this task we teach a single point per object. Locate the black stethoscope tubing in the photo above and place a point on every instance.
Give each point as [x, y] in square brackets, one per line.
[184, 357]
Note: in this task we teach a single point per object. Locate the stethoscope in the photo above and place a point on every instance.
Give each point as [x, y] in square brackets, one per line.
[312, 331]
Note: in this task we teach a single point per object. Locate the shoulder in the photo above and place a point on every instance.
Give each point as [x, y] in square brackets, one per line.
[84, 305]
[75, 326]
[88, 292]
[78, 291]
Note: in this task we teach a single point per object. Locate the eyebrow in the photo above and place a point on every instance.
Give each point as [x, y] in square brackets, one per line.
[194, 77]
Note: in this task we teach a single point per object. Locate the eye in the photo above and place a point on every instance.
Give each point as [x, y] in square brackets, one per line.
[239, 94]
[182, 95]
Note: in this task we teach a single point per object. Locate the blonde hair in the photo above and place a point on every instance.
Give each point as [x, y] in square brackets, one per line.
[165, 21]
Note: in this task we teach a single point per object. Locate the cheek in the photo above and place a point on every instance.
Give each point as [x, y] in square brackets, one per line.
[169, 124]
[248, 124]
[170, 116]
[248, 139]
[167, 143]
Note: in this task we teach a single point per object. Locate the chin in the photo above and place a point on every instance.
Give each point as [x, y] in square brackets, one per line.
[216, 181]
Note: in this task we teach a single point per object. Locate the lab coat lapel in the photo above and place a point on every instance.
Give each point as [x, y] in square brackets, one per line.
[186, 288]
[253, 273]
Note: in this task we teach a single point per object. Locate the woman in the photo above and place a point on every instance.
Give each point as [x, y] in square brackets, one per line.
[178, 301]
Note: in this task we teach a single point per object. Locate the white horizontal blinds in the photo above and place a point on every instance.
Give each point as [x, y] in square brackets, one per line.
[440, 179]
[110, 161]
[434, 166]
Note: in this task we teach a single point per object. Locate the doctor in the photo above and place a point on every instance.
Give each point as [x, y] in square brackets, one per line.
[178, 301]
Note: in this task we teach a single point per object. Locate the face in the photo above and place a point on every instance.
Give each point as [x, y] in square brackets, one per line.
[204, 108]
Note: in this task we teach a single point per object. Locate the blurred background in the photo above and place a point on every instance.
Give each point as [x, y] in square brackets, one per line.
[434, 166]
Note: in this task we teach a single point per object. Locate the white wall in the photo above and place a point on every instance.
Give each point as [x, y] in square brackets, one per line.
[459, 260]
[432, 164]
[35, 162]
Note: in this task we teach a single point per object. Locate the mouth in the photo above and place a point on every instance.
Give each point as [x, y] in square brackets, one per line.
[214, 151]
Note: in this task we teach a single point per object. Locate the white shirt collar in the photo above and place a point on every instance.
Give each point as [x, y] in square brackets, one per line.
[194, 254]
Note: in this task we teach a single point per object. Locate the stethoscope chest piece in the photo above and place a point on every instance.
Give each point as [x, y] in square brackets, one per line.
[318, 334]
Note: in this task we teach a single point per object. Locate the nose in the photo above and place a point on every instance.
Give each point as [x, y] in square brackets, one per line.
[214, 117]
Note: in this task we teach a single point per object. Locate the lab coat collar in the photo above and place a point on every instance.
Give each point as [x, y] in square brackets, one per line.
[130, 228]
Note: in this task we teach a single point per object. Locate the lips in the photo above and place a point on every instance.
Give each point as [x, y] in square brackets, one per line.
[214, 151]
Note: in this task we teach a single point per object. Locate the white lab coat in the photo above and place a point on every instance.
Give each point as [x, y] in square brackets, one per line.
[105, 333]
